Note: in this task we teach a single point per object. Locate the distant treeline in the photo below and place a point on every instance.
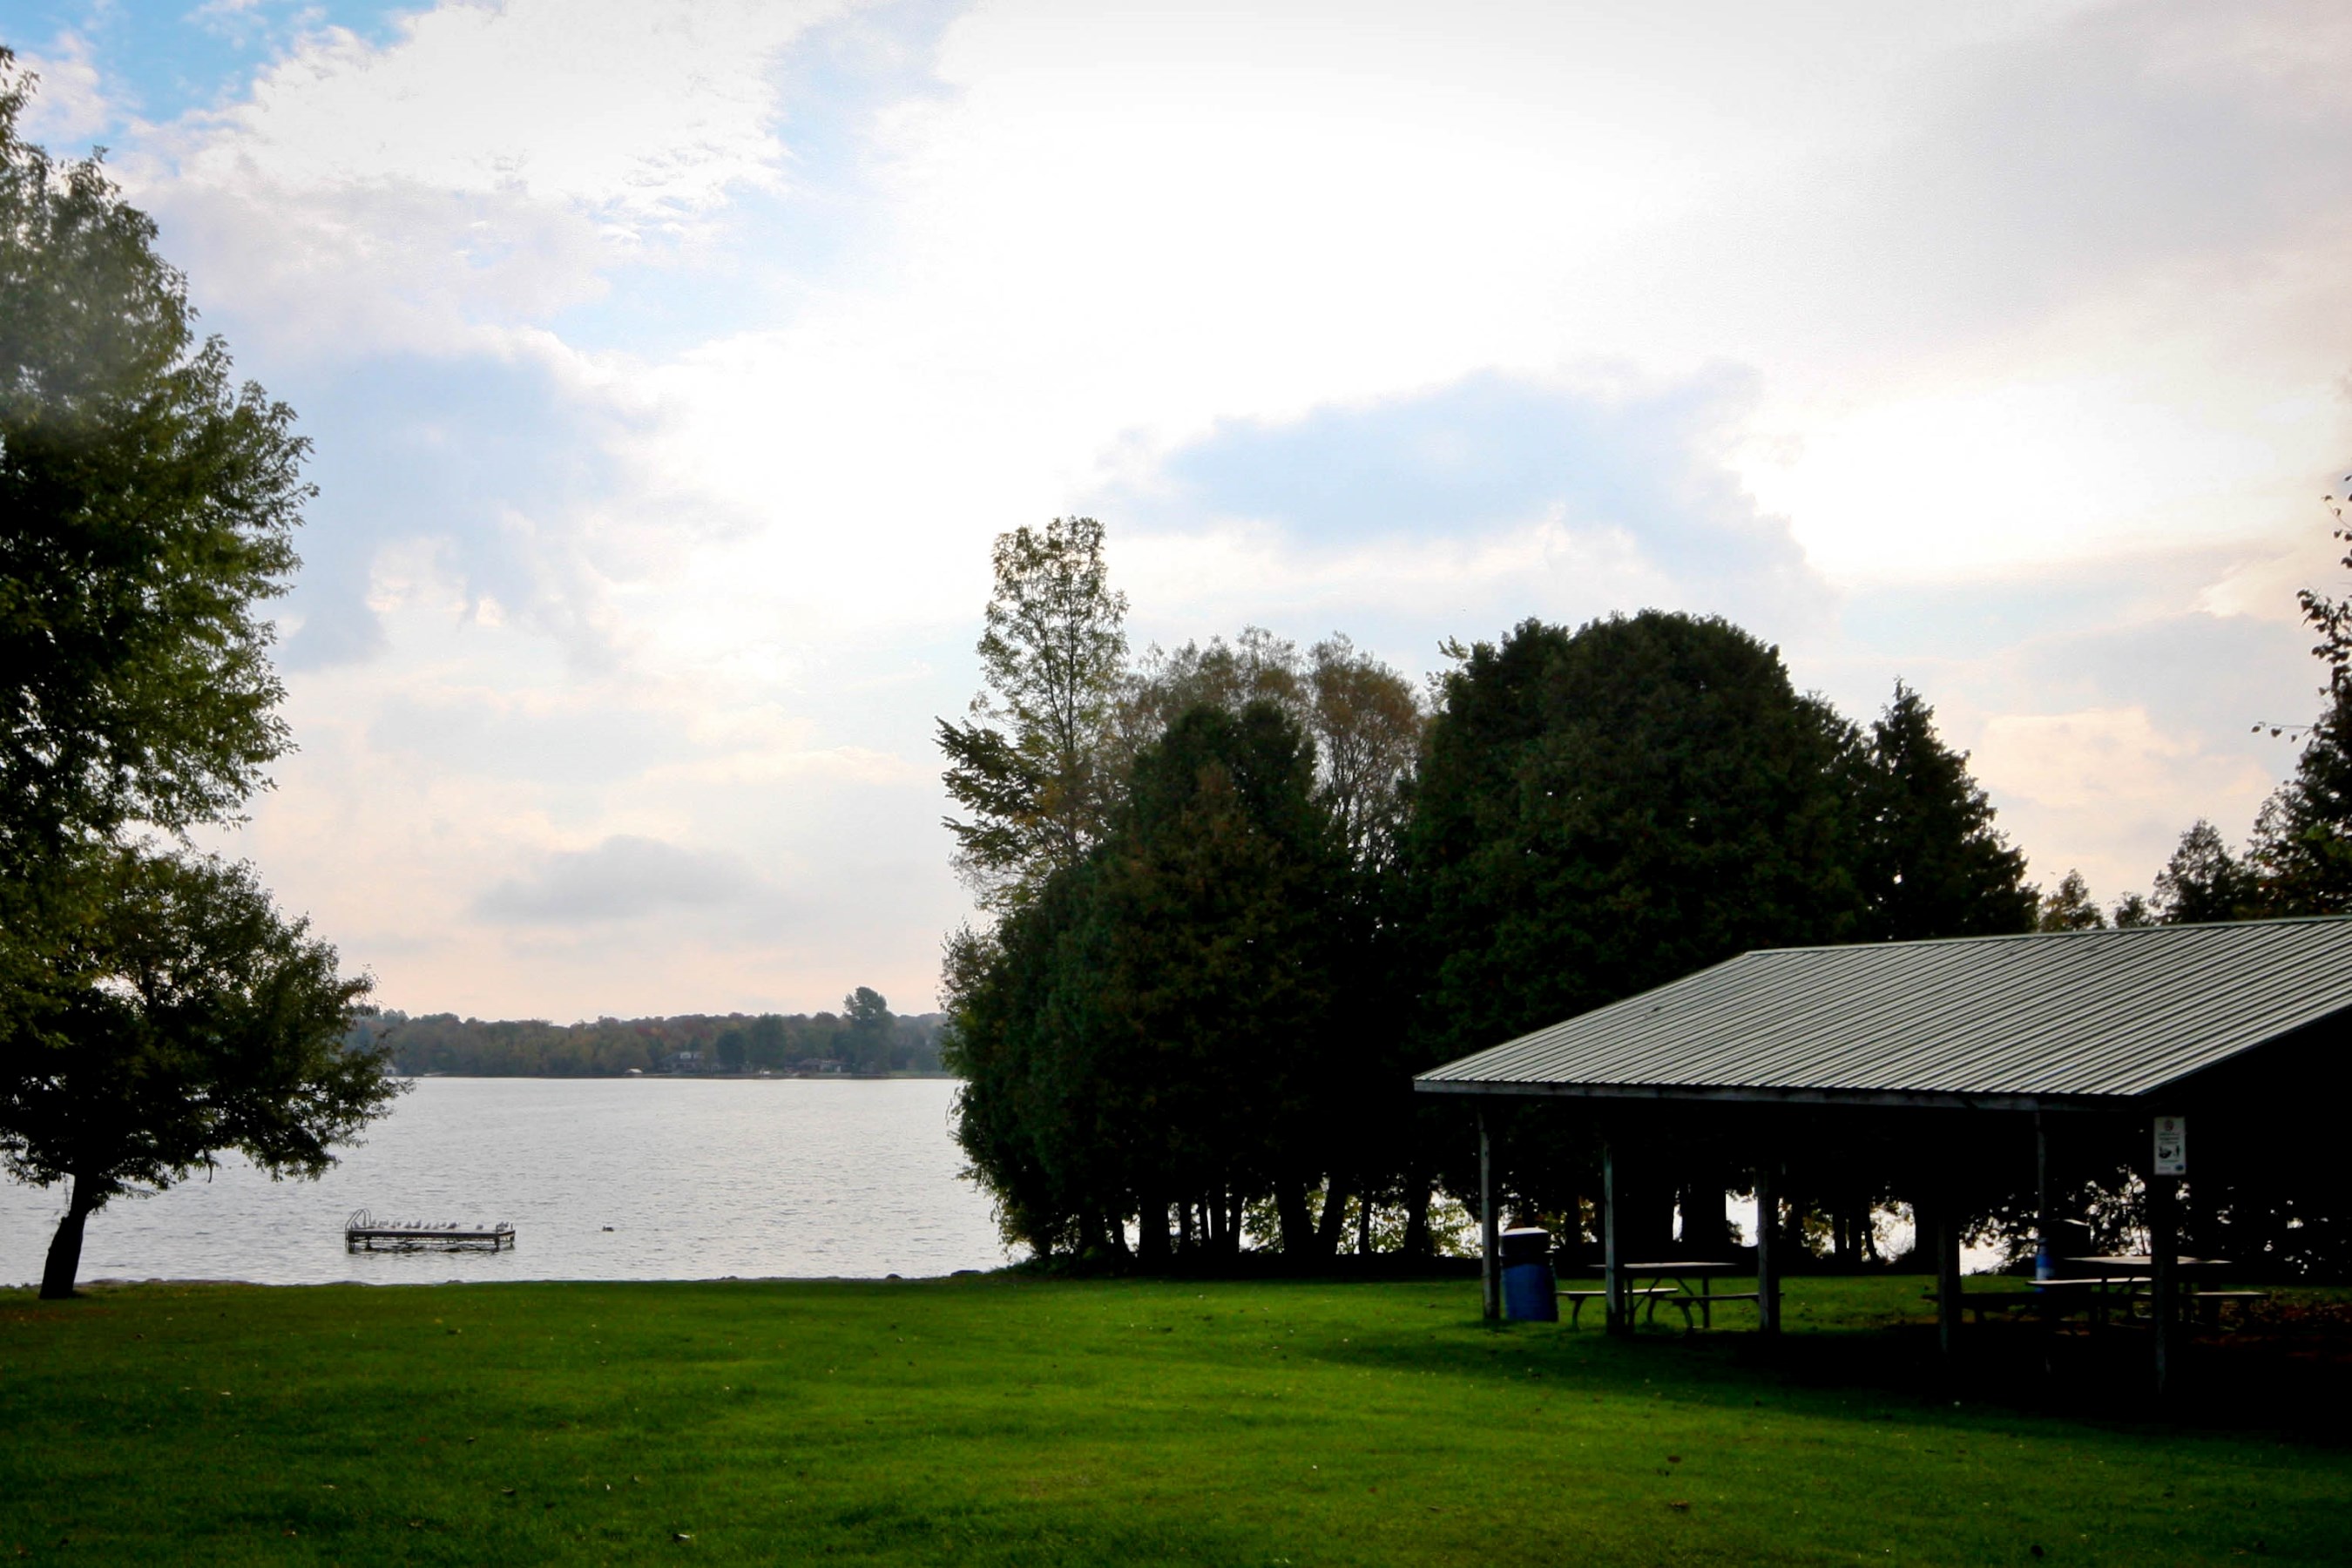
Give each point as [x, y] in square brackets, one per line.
[864, 1038]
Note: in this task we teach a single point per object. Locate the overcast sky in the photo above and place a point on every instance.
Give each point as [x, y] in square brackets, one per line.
[670, 367]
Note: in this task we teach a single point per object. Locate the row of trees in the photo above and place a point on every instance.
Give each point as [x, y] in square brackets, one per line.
[863, 1038]
[155, 1008]
[1239, 892]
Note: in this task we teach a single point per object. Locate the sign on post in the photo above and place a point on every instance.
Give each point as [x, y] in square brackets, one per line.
[2171, 1146]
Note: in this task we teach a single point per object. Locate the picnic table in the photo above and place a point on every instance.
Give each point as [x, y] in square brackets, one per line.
[2128, 1275]
[2111, 1284]
[1651, 1283]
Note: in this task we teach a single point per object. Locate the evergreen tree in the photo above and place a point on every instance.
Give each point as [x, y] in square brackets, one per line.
[2302, 852]
[1932, 862]
[1210, 945]
[1155, 1027]
[2203, 881]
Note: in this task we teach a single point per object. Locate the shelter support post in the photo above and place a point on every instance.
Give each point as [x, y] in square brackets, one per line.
[1945, 1239]
[2163, 1252]
[2045, 1260]
[1619, 1318]
[1490, 1279]
[1768, 1246]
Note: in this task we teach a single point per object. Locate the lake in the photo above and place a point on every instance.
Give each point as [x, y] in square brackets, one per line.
[602, 1178]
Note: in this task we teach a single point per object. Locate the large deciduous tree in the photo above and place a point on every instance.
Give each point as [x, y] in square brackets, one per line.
[1025, 767]
[150, 504]
[1608, 809]
[153, 1009]
[2069, 907]
[189, 1018]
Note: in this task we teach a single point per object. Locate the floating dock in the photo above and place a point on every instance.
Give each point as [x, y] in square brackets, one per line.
[364, 1232]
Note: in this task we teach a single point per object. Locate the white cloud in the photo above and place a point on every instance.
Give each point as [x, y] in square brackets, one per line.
[625, 877]
[669, 386]
[479, 169]
[2108, 791]
[71, 106]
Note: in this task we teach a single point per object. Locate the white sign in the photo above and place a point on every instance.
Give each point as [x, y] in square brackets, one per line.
[2172, 1145]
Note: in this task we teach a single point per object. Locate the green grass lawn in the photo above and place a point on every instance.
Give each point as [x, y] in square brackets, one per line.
[1020, 1420]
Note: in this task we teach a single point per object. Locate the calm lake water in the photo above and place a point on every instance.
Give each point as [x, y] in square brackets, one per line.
[696, 1180]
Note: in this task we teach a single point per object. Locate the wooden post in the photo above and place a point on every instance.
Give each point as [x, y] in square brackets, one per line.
[1490, 1279]
[1947, 1271]
[1612, 1272]
[2163, 1248]
[1768, 1251]
[2045, 1257]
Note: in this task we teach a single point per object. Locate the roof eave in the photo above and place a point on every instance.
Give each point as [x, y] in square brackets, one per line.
[1750, 1094]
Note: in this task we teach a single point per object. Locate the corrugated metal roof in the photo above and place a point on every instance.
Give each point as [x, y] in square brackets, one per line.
[2016, 1019]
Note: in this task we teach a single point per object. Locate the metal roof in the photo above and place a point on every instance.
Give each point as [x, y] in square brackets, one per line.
[2064, 1018]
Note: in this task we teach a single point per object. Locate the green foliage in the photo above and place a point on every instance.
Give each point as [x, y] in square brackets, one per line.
[154, 1009]
[1604, 810]
[2300, 860]
[1365, 718]
[188, 1018]
[2202, 882]
[2069, 907]
[2302, 852]
[150, 506]
[1933, 864]
[1160, 1025]
[1025, 767]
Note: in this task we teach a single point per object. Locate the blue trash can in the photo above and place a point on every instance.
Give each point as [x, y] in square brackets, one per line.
[1530, 1294]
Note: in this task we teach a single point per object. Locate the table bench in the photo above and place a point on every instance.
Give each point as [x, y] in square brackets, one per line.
[1635, 1296]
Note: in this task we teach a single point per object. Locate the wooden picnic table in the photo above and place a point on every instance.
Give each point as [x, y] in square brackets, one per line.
[2133, 1270]
[1671, 1283]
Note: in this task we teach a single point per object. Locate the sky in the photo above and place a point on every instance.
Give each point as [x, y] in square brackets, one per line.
[670, 367]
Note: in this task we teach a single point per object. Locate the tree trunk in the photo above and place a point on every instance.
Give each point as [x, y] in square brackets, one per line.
[1291, 1211]
[1151, 1231]
[1707, 1229]
[1335, 1214]
[1416, 1217]
[1646, 1210]
[1364, 1226]
[65, 1246]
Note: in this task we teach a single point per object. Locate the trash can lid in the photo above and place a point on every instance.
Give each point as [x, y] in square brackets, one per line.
[1528, 1242]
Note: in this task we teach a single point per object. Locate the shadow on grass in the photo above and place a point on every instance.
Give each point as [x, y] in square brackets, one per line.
[2292, 1387]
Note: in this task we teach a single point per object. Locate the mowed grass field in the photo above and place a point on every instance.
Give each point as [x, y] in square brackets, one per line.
[1009, 1419]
